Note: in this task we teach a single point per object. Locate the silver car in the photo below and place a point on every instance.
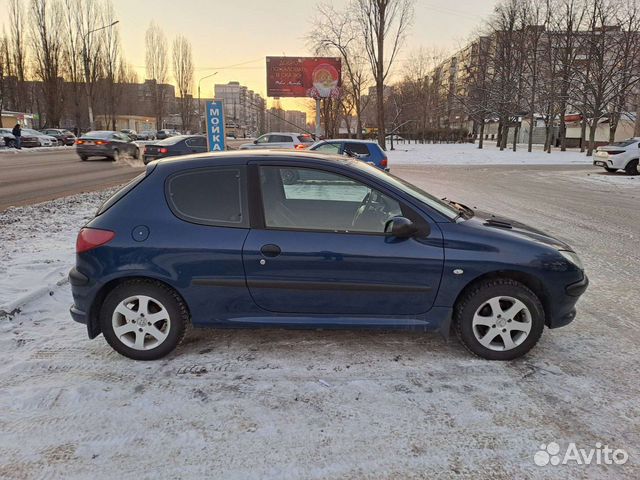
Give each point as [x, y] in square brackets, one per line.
[298, 141]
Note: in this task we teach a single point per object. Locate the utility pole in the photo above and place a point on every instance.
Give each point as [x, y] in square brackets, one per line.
[200, 103]
[87, 73]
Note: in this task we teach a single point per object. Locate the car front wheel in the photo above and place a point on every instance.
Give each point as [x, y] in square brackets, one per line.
[143, 319]
[632, 168]
[499, 319]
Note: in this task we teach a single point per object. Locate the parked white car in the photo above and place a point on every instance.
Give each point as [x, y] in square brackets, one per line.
[280, 140]
[622, 155]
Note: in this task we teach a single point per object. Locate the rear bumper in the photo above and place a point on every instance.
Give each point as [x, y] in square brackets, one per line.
[94, 151]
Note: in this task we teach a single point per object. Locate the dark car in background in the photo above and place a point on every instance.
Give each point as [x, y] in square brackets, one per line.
[175, 146]
[147, 135]
[366, 150]
[132, 134]
[63, 136]
[106, 144]
[220, 240]
[8, 137]
[166, 133]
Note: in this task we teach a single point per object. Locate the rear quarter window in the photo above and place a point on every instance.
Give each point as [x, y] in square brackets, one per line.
[209, 196]
[120, 194]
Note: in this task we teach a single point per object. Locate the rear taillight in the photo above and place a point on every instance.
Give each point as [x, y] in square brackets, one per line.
[383, 162]
[90, 238]
[101, 142]
[163, 150]
[300, 146]
[79, 142]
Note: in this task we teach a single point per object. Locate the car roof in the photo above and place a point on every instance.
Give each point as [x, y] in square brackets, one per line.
[350, 140]
[213, 158]
[285, 133]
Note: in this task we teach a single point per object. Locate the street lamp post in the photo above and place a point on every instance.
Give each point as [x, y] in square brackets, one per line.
[199, 102]
[86, 68]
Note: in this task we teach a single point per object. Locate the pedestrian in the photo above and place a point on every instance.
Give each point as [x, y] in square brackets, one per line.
[17, 132]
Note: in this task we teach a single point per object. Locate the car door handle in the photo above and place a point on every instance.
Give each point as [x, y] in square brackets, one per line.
[270, 250]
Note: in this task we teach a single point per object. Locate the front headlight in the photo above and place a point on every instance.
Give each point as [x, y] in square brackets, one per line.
[572, 257]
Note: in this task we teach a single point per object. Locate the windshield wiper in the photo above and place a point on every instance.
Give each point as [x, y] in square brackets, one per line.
[463, 210]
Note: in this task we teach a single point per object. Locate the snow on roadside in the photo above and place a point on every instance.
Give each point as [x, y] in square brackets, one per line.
[38, 242]
[470, 154]
[55, 148]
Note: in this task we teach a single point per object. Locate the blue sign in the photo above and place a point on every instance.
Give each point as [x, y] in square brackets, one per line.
[215, 126]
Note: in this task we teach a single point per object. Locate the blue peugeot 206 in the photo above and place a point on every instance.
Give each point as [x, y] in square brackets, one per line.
[221, 240]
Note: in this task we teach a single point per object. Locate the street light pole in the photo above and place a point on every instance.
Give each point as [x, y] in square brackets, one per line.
[199, 102]
[87, 78]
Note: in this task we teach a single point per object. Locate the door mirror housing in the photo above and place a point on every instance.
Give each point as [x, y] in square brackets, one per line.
[400, 227]
[255, 142]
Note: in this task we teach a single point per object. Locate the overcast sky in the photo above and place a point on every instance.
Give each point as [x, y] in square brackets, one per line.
[231, 32]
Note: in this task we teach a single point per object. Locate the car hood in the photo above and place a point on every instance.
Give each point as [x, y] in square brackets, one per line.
[514, 228]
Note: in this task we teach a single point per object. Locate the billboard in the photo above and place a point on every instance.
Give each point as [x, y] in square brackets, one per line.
[316, 77]
[215, 126]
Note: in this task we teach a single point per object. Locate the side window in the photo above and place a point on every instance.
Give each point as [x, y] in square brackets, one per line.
[357, 148]
[210, 196]
[281, 139]
[329, 148]
[263, 139]
[196, 142]
[309, 199]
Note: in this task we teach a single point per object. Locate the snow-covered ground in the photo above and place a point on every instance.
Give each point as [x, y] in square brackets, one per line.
[55, 148]
[323, 404]
[470, 154]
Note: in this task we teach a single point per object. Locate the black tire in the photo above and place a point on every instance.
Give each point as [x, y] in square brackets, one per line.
[632, 168]
[611, 170]
[84, 158]
[11, 143]
[159, 292]
[289, 177]
[478, 295]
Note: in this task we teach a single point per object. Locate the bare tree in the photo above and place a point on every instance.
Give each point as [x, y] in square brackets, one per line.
[627, 44]
[338, 32]
[384, 24]
[156, 65]
[111, 62]
[91, 35]
[183, 75]
[18, 49]
[46, 20]
[4, 68]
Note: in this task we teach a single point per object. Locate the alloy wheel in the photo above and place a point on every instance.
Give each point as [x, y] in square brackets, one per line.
[141, 322]
[502, 323]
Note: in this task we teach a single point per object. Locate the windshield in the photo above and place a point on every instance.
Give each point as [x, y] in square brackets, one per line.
[170, 140]
[444, 208]
[98, 134]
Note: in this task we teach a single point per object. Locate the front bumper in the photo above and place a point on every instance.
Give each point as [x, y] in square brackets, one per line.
[564, 308]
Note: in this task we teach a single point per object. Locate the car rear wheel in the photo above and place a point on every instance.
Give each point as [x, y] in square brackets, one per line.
[143, 319]
[499, 319]
[632, 168]
[84, 158]
[11, 143]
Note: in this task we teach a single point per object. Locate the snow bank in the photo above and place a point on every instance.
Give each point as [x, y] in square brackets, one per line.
[470, 154]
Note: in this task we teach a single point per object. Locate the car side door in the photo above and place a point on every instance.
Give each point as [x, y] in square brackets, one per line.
[319, 247]
[196, 144]
[281, 141]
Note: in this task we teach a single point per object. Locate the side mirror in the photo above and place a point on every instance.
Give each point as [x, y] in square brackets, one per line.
[255, 142]
[400, 227]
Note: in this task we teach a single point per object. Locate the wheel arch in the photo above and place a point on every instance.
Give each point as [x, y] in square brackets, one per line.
[93, 323]
[530, 281]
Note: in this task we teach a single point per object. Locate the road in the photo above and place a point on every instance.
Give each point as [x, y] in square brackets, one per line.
[35, 176]
[30, 177]
[333, 404]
